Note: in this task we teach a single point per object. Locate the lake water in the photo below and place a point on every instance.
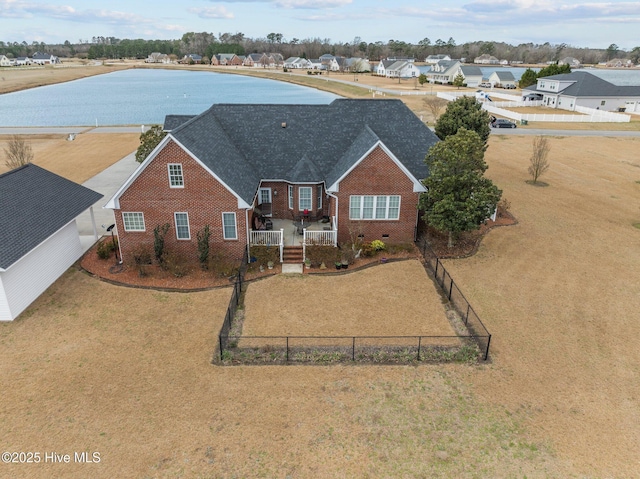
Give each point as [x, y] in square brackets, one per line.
[617, 77]
[141, 96]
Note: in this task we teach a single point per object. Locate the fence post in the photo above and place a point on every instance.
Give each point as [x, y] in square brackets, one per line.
[467, 316]
[220, 339]
[419, 345]
[450, 287]
[353, 349]
[486, 353]
[287, 348]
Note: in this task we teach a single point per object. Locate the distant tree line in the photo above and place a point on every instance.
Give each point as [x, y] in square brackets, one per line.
[208, 44]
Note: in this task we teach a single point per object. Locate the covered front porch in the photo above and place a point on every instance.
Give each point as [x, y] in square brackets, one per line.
[289, 233]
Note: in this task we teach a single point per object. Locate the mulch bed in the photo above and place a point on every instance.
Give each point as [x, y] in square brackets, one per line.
[199, 279]
[468, 242]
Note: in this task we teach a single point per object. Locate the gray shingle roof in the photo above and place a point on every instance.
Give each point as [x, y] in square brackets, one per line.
[586, 84]
[504, 75]
[243, 144]
[469, 70]
[34, 204]
[171, 122]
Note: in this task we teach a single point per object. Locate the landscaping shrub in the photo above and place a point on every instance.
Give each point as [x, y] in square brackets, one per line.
[175, 263]
[222, 265]
[159, 232]
[103, 250]
[264, 254]
[142, 259]
[322, 254]
[378, 245]
[203, 246]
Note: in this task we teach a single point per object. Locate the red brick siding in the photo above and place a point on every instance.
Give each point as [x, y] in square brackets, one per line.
[378, 174]
[203, 198]
[280, 201]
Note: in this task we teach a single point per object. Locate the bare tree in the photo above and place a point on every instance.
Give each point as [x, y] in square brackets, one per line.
[435, 105]
[538, 163]
[18, 153]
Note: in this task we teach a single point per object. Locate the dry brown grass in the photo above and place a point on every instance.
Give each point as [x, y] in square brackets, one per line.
[318, 306]
[76, 160]
[127, 372]
[17, 78]
[557, 291]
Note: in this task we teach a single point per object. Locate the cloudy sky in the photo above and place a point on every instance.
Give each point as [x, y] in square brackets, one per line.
[580, 24]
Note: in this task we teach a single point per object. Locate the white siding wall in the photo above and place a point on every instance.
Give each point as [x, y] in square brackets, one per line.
[28, 278]
[5, 313]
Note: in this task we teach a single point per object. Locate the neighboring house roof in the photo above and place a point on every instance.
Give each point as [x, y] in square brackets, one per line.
[470, 71]
[36, 203]
[504, 76]
[585, 84]
[298, 143]
[42, 56]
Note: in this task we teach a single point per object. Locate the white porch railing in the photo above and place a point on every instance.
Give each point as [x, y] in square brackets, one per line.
[318, 238]
[267, 238]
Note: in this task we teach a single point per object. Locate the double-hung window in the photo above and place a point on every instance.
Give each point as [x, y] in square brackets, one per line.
[304, 198]
[290, 197]
[319, 204]
[229, 226]
[369, 207]
[182, 226]
[176, 180]
[133, 221]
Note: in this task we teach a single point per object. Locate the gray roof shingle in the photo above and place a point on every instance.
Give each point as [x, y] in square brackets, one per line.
[243, 144]
[586, 84]
[34, 204]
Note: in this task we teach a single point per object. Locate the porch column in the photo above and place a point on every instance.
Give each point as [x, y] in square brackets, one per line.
[93, 224]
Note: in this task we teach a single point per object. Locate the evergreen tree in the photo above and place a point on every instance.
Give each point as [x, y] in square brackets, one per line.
[465, 112]
[459, 197]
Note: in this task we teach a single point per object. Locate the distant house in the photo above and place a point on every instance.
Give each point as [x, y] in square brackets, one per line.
[315, 64]
[357, 163]
[357, 65]
[486, 59]
[38, 234]
[501, 79]
[572, 62]
[444, 71]
[44, 59]
[297, 63]
[5, 62]
[157, 57]
[580, 88]
[619, 63]
[192, 58]
[258, 60]
[381, 67]
[472, 75]
[21, 61]
[402, 69]
[330, 63]
[433, 59]
[226, 59]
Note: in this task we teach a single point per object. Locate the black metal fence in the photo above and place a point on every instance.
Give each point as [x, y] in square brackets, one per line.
[468, 316]
[225, 330]
[333, 349]
[471, 342]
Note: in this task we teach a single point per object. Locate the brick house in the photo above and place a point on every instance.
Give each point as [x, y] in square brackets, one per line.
[238, 168]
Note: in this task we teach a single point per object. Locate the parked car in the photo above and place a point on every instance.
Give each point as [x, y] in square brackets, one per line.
[502, 123]
[485, 85]
[510, 86]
